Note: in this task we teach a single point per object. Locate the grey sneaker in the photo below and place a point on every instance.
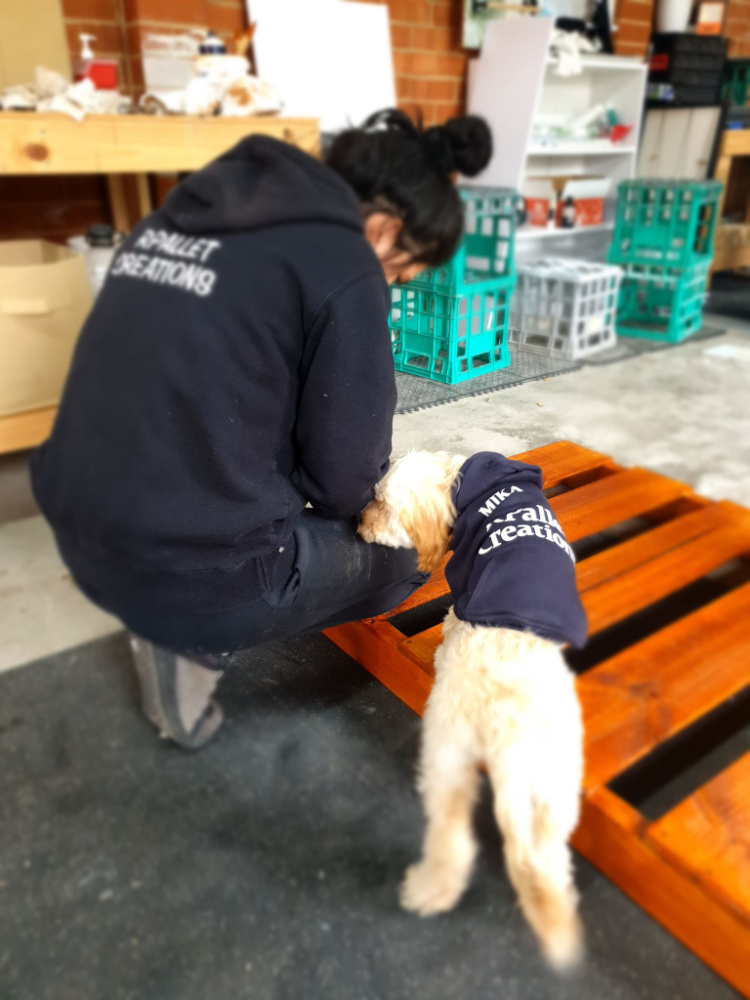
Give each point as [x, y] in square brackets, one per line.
[176, 693]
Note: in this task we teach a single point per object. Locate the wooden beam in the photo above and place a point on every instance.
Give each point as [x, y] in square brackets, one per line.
[118, 202]
[20, 431]
[611, 835]
[46, 143]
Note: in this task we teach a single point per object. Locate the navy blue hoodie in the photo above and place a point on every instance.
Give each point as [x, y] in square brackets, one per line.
[511, 565]
[236, 365]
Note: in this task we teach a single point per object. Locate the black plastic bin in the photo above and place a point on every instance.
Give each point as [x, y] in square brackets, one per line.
[687, 69]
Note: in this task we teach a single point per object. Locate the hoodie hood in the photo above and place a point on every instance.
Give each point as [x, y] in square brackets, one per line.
[262, 182]
[487, 470]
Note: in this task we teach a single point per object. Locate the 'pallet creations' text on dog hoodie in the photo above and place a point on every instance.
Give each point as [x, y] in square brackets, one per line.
[512, 566]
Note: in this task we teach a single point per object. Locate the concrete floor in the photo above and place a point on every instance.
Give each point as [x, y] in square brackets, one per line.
[313, 772]
[264, 867]
[682, 412]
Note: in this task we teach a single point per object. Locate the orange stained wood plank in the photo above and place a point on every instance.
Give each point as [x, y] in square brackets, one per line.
[606, 502]
[562, 460]
[421, 647]
[435, 587]
[652, 690]
[610, 835]
[666, 537]
[20, 431]
[373, 644]
[708, 836]
[629, 592]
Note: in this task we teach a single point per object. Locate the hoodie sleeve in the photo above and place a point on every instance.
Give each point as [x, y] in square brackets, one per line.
[345, 415]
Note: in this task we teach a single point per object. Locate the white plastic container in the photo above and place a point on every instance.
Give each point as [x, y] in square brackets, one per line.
[97, 248]
[565, 307]
[673, 15]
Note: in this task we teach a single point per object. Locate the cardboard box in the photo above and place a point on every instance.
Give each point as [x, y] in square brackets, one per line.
[539, 196]
[588, 202]
[44, 299]
[546, 200]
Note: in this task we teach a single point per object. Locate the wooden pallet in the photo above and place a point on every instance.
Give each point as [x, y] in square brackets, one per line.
[19, 431]
[690, 869]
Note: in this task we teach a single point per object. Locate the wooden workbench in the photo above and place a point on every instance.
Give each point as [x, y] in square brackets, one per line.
[732, 241]
[122, 147]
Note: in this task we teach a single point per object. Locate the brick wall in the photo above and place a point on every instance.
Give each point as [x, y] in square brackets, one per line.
[426, 34]
[737, 28]
[429, 63]
[120, 24]
[634, 24]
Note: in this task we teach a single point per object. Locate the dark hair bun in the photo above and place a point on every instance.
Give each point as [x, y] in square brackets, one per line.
[393, 165]
[463, 144]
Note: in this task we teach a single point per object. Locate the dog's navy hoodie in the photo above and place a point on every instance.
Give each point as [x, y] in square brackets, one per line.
[511, 565]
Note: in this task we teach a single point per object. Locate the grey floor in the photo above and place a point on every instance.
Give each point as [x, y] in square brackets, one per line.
[266, 866]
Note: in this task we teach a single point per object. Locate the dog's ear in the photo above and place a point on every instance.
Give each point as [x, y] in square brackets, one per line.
[429, 531]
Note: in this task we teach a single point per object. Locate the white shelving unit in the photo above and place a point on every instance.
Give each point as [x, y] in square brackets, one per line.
[514, 85]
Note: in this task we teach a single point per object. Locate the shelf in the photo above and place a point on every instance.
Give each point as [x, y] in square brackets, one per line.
[537, 232]
[45, 142]
[20, 431]
[582, 149]
[515, 60]
[604, 62]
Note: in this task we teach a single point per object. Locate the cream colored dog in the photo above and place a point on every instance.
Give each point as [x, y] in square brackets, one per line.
[502, 697]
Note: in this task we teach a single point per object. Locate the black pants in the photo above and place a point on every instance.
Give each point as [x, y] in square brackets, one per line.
[329, 576]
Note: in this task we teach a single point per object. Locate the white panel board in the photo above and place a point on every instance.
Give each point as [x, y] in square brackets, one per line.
[328, 58]
[512, 50]
[648, 159]
[700, 141]
[677, 142]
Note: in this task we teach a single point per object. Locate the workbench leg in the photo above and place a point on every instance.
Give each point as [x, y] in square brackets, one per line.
[143, 192]
[721, 173]
[118, 202]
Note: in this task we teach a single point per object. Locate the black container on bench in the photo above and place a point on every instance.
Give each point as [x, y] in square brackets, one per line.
[686, 70]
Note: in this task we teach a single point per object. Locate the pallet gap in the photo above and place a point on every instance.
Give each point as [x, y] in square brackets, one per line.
[611, 641]
[555, 491]
[592, 545]
[591, 476]
[680, 766]
[422, 617]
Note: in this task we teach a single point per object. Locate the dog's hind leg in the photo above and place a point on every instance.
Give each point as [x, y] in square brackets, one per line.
[448, 782]
[540, 869]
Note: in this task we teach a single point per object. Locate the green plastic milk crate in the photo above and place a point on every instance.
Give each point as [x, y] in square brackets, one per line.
[486, 250]
[661, 303]
[451, 335]
[735, 85]
[665, 222]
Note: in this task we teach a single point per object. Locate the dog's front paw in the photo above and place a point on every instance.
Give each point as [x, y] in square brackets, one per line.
[427, 890]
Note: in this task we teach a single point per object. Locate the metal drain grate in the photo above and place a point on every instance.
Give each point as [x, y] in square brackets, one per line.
[526, 365]
[416, 393]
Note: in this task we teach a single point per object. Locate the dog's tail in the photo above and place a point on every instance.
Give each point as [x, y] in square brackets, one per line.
[539, 866]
